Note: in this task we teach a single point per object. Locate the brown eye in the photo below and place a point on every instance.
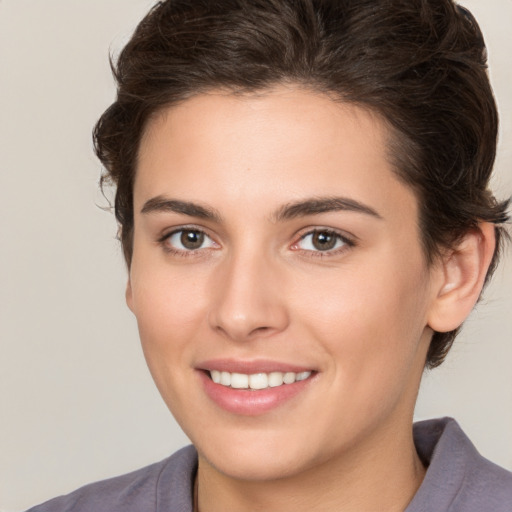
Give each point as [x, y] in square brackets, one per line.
[324, 240]
[184, 240]
[191, 239]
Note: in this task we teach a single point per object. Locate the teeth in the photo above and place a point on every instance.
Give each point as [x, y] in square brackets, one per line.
[275, 379]
[302, 375]
[225, 378]
[239, 381]
[257, 380]
[289, 377]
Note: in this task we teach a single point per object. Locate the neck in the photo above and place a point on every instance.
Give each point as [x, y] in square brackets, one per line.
[383, 475]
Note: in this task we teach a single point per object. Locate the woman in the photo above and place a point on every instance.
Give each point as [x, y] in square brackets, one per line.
[302, 193]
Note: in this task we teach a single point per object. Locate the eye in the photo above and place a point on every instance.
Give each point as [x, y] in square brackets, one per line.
[188, 240]
[322, 240]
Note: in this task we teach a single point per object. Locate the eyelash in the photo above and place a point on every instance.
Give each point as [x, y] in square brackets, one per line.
[347, 243]
[181, 252]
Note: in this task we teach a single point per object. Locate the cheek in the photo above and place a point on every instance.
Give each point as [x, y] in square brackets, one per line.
[371, 328]
[168, 311]
[169, 307]
[373, 315]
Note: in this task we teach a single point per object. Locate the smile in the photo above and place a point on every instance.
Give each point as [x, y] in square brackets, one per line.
[251, 388]
[257, 381]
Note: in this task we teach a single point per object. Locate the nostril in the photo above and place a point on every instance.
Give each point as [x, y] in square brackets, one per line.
[260, 329]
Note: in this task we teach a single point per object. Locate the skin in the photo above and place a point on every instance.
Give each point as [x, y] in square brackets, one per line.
[359, 315]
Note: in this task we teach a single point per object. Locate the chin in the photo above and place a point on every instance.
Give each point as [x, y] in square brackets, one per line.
[260, 456]
[252, 466]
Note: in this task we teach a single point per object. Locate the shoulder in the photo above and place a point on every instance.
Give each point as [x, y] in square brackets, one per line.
[156, 487]
[458, 478]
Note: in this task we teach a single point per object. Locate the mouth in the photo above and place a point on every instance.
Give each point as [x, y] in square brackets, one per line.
[257, 381]
[254, 388]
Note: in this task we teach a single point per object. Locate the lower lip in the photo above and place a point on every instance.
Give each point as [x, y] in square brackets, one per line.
[250, 402]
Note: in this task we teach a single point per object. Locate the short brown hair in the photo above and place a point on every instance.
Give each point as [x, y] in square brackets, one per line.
[420, 64]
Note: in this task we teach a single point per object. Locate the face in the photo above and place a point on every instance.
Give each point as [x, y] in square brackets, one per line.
[278, 279]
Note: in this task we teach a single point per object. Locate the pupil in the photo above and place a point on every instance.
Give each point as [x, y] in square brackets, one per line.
[323, 241]
[192, 239]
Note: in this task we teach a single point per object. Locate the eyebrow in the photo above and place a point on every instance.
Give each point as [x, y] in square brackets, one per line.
[313, 206]
[163, 204]
[319, 205]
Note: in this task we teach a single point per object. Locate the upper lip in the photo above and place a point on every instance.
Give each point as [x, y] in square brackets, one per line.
[251, 366]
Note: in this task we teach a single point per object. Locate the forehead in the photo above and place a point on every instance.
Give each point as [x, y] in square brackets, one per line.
[270, 147]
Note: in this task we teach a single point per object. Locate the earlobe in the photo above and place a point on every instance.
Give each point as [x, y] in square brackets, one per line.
[463, 271]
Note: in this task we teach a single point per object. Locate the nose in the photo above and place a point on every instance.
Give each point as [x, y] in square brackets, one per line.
[249, 300]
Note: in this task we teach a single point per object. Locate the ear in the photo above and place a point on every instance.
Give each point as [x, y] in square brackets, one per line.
[129, 294]
[461, 278]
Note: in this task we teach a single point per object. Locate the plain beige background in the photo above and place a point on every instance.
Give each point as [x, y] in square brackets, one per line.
[77, 403]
